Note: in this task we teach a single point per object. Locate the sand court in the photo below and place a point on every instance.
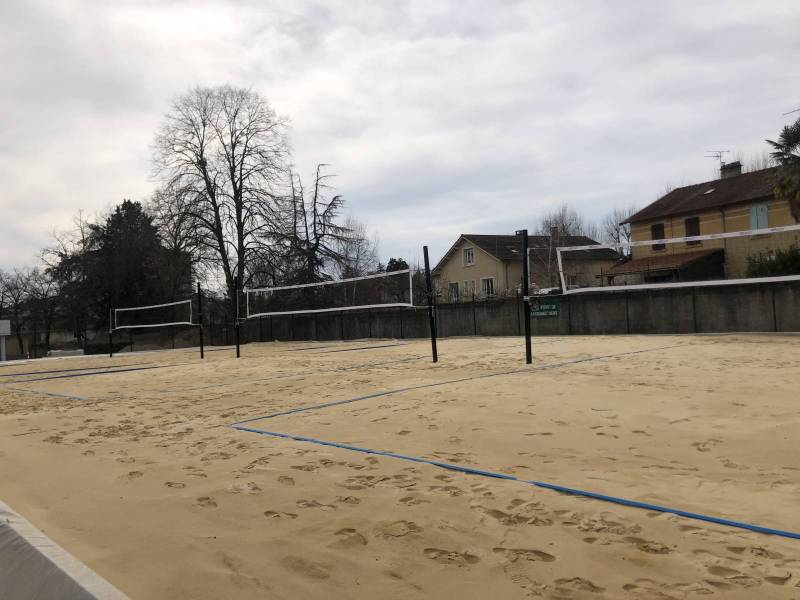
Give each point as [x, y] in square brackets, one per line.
[146, 480]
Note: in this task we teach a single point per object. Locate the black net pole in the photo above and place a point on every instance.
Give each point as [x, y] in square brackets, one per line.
[110, 331]
[236, 325]
[431, 318]
[526, 304]
[200, 318]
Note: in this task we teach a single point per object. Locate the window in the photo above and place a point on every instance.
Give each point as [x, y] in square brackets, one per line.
[759, 216]
[468, 287]
[452, 290]
[657, 233]
[692, 225]
[572, 281]
[487, 286]
[469, 256]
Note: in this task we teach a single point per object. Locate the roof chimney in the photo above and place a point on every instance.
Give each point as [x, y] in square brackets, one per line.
[730, 170]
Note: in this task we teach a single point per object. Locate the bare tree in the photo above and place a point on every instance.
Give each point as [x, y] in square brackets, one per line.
[44, 292]
[758, 162]
[3, 297]
[307, 230]
[615, 228]
[221, 152]
[566, 221]
[16, 286]
[65, 261]
[359, 252]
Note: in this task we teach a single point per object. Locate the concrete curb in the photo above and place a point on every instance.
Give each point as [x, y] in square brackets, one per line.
[32, 566]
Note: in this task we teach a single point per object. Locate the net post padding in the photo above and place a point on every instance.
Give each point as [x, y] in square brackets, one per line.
[755, 233]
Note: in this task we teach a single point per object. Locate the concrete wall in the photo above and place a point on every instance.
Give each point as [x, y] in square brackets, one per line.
[768, 307]
[723, 309]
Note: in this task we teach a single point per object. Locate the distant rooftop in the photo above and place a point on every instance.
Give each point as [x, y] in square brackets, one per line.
[747, 187]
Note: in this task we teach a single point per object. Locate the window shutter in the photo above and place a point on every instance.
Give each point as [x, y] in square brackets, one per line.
[763, 216]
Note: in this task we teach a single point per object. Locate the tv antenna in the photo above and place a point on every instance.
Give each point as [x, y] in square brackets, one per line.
[717, 154]
[791, 111]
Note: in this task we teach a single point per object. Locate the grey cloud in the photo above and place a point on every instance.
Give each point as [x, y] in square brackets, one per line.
[439, 117]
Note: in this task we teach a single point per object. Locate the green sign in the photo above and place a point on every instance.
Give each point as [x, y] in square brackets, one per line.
[545, 308]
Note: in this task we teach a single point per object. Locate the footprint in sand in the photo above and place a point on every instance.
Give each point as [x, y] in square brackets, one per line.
[175, 484]
[348, 499]
[349, 538]
[206, 502]
[133, 475]
[306, 568]
[449, 557]
[249, 488]
[285, 480]
[398, 529]
[649, 547]
[412, 501]
[705, 446]
[272, 514]
[515, 554]
[314, 504]
[577, 584]
[216, 456]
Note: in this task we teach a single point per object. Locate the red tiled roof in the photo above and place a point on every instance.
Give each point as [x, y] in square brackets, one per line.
[711, 194]
[663, 262]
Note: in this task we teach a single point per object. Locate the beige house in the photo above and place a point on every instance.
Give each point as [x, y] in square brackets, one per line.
[735, 202]
[491, 265]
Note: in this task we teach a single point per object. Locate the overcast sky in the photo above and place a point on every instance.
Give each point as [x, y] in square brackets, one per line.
[439, 117]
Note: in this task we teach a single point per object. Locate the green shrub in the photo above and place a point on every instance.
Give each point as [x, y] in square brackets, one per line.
[785, 261]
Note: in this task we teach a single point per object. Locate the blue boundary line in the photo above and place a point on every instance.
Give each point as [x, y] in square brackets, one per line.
[65, 370]
[54, 394]
[91, 373]
[541, 484]
[493, 474]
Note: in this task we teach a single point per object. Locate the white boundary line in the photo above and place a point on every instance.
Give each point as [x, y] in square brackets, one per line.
[679, 240]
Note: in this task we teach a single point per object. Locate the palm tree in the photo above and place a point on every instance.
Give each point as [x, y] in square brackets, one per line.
[786, 152]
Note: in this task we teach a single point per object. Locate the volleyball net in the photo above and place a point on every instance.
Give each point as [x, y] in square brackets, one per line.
[380, 290]
[154, 315]
[738, 257]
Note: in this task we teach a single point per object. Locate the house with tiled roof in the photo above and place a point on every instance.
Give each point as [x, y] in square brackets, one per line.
[491, 265]
[735, 202]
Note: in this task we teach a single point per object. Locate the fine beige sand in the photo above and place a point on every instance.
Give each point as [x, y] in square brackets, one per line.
[139, 474]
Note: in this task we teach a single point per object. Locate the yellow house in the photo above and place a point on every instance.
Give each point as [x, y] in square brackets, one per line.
[735, 202]
[491, 265]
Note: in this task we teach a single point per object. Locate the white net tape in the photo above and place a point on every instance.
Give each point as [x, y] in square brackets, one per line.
[381, 290]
